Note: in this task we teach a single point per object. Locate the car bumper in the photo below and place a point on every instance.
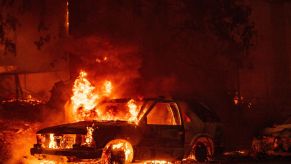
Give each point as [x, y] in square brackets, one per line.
[80, 152]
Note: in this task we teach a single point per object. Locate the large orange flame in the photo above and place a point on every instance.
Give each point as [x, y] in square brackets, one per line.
[133, 110]
[86, 97]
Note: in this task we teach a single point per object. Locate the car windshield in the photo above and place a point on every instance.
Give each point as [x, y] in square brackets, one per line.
[122, 109]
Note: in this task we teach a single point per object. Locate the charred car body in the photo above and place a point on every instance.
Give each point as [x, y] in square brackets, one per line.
[164, 129]
[274, 141]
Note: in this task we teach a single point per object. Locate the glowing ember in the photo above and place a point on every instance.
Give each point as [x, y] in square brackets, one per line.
[157, 162]
[101, 60]
[52, 143]
[67, 25]
[29, 100]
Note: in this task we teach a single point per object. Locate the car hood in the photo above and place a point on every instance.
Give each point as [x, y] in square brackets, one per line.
[81, 127]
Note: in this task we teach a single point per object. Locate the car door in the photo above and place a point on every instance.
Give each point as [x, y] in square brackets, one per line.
[164, 129]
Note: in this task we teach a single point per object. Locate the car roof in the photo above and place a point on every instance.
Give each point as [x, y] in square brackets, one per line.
[204, 112]
[200, 109]
[121, 100]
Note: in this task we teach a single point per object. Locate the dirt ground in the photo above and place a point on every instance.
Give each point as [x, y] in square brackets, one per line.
[16, 137]
[17, 133]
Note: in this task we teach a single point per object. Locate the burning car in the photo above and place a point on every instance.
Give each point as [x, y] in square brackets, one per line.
[274, 141]
[136, 130]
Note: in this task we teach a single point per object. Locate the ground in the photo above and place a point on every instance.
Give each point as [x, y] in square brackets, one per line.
[17, 136]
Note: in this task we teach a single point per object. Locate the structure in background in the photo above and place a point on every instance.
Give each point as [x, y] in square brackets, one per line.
[32, 58]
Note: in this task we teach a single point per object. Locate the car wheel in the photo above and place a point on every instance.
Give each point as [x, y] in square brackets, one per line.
[113, 157]
[117, 152]
[202, 150]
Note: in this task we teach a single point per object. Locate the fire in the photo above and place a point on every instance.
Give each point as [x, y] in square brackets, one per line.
[157, 162]
[27, 100]
[132, 110]
[86, 101]
[100, 60]
[47, 162]
[107, 88]
[52, 143]
[84, 97]
[124, 146]
[88, 137]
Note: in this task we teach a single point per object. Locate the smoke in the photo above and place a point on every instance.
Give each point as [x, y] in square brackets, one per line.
[160, 86]
[105, 59]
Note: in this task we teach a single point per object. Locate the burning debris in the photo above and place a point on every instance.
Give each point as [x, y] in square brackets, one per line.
[157, 162]
[29, 100]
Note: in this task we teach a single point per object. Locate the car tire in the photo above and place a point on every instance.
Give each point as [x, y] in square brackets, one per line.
[200, 152]
[116, 156]
[112, 157]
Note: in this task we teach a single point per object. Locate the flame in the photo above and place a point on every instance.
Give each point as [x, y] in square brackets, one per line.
[47, 162]
[86, 103]
[84, 93]
[125, 147]
[88, 137]
[67, 21]
[28, 100]
[157, 162]
[107, 88]
[52, 143]
[101, 59]
[133, 110]
[84, 97]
